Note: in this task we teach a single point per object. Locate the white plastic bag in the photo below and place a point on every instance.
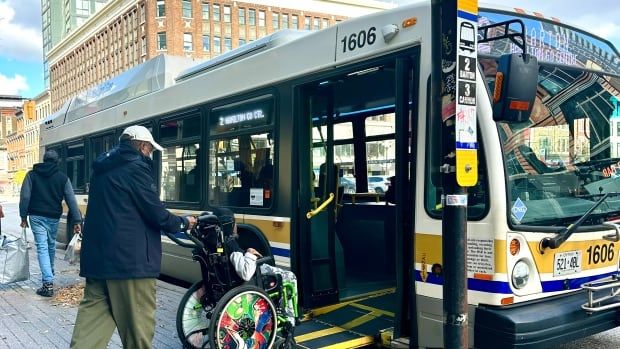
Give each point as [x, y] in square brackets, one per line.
[14, 261]
[72, 253]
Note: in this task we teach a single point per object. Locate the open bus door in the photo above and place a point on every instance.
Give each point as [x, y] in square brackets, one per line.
[355, 257]
[319, 190]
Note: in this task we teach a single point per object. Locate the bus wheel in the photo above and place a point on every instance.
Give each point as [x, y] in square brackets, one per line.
[245, 317]
[193, 317]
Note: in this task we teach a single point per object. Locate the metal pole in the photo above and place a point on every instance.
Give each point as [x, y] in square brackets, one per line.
[454, 200]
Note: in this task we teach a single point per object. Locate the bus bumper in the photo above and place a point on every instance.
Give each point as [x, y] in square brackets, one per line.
[539, 324]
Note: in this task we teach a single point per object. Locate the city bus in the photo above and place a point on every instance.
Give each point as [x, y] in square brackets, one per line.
[275, 129]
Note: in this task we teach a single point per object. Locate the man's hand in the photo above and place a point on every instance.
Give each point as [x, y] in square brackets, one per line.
[191, 222]
[24, 223]
[254, 252]
[77, 228]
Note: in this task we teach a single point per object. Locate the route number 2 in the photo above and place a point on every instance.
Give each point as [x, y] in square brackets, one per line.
[359, 40]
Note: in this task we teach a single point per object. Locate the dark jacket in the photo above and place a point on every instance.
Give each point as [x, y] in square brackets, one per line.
[124, 217]
[42, 193]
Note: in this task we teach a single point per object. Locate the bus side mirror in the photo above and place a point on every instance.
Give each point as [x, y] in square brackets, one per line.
[516, 82]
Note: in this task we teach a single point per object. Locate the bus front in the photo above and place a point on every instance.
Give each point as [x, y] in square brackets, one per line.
[562, 180]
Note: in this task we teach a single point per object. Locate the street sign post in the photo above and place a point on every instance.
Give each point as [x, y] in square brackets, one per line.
[454, 100]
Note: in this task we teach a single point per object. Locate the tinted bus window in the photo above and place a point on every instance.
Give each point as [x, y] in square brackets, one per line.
[180, 159]
[75, 166]
[241, 155]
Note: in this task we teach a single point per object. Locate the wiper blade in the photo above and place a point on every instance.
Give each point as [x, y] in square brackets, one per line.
[563, 235]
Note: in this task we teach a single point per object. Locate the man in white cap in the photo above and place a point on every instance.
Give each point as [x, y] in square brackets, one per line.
[121, 246]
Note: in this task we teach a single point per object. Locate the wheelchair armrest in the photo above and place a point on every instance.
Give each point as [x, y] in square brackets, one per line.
[264, 260]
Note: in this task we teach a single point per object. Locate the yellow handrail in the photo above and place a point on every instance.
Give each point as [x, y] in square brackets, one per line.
[320, 208]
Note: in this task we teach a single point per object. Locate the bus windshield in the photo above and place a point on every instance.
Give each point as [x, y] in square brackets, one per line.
[568, 153]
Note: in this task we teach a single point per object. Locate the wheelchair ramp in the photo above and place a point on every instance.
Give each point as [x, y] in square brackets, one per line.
[352, 323]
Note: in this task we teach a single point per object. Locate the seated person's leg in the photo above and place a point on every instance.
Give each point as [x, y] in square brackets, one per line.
[289, 288]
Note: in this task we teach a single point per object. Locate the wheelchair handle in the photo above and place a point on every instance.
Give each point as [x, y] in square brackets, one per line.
[181, 243]
[264, 260]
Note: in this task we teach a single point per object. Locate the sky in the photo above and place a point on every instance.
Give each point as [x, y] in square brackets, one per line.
[21, 54]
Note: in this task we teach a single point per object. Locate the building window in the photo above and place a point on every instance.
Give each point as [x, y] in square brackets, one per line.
[325, 23]
[205, 12]
[161, 8]
[187, 42]
[217, 44]
[252, 15]
[316, 24]
[295, 21]
[285, 21]
[206, 43]
[216, 12]
[241, 16]
[82, 7]
[275, 21]
[242, 42]
[161, 41]
[187, 9]
[261, 18]
[227, 14]
[227, 44]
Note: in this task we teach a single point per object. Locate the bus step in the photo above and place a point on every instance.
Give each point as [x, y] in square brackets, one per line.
[603, 294]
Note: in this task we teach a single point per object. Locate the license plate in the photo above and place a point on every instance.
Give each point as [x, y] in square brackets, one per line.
[567, 263]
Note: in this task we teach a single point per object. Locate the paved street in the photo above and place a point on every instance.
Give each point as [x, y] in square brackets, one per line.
[30, 321]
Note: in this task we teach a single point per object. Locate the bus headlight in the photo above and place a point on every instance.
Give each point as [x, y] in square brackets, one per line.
[520, 274]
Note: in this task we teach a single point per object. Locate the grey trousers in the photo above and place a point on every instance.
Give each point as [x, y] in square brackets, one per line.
[128, 305]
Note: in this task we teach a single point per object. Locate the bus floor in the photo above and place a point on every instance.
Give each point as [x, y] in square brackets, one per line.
[354, 322]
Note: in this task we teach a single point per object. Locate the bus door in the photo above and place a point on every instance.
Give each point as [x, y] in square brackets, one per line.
[356, 166]
[319, 196]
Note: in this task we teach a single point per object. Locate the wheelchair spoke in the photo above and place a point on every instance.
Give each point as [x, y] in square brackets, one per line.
[247, 320]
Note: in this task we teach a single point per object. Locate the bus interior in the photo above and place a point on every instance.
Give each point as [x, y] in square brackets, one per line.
[351, 125]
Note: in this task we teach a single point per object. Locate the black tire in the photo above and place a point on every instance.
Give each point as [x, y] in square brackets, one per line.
[282, 343]
[226, 331]
[193, 318]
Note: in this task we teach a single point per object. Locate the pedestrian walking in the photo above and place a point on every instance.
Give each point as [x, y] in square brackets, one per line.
[121, 246]
[40, 199]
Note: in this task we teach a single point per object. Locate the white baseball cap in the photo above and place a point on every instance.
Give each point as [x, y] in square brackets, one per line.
[141, 133]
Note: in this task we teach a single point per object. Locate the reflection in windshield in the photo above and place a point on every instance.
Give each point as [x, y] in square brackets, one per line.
[569, 150]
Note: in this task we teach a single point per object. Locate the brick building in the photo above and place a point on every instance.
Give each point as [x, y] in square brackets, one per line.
[15, 148]
[125, 33]
[9, 107]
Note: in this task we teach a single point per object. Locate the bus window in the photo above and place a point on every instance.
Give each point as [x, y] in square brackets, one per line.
[380, 151]
[344, 156]
[180, 160]
[242, 171]
[180, 173]
[241, 154]
[75, 166]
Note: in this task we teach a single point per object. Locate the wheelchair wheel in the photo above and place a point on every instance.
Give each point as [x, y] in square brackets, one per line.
[244, 318]
[193, 318]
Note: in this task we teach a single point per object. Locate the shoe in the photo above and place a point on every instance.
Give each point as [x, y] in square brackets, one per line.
[47, 290]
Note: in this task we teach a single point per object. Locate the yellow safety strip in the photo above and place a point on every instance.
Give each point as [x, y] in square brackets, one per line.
[373, 310]
[360, 320]
[318, 334]
[330, 308]
[353, 343]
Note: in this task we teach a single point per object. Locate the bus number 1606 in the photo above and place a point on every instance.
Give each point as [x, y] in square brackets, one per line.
[359, 40]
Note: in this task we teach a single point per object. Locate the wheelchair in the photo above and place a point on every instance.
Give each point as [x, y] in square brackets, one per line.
[221, 311]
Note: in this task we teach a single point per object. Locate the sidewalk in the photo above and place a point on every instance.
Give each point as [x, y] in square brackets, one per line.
[30, 321]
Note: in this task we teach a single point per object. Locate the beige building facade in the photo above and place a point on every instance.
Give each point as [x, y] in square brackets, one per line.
[125, 33]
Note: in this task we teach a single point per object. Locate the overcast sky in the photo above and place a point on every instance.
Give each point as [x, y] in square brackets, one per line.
[21, 69]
